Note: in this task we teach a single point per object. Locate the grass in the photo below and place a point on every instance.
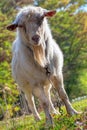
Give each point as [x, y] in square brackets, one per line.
[61, 122]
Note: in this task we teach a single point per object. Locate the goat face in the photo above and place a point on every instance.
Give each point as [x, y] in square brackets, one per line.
[31, 21]
[34, 28]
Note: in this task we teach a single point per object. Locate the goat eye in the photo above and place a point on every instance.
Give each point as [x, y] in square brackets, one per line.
[39, 21]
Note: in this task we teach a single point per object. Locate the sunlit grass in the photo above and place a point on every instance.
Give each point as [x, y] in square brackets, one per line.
[61, 122]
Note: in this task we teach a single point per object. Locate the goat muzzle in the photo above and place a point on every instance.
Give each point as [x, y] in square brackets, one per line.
[36, 38]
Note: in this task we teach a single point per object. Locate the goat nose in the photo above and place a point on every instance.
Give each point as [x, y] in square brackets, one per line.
[36, 38]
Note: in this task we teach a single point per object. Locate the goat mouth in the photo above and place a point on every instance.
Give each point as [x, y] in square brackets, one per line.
[36, 43]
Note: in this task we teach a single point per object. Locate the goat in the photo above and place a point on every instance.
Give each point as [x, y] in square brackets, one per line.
[36, 59]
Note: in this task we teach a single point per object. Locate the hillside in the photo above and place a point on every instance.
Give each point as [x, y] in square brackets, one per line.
[61, 122]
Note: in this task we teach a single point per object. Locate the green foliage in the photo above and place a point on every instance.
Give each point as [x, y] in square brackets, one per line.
[8, 89]
[50, 4]
[61, 122]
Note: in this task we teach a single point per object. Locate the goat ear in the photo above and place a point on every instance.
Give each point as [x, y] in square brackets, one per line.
[12, 26]
[50, 13]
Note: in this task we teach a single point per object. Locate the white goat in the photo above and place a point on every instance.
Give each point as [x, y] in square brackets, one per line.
[36, 59]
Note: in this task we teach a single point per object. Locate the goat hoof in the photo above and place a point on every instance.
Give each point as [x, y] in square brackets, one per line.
[55, 112]
[49, 124]
[37, 118]
[74, 112]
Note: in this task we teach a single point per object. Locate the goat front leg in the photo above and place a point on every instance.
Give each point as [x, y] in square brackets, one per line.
[39, 92]
[58, 84]
[47, 90]
[31, 104]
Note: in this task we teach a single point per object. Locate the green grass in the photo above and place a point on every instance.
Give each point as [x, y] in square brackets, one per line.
[61, 122]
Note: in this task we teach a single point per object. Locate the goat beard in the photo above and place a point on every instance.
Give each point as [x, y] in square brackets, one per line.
[39, 55]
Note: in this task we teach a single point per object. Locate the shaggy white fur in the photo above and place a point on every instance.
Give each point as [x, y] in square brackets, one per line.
[34, 49]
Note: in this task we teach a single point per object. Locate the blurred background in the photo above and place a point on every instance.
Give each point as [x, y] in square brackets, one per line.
[69, 29]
